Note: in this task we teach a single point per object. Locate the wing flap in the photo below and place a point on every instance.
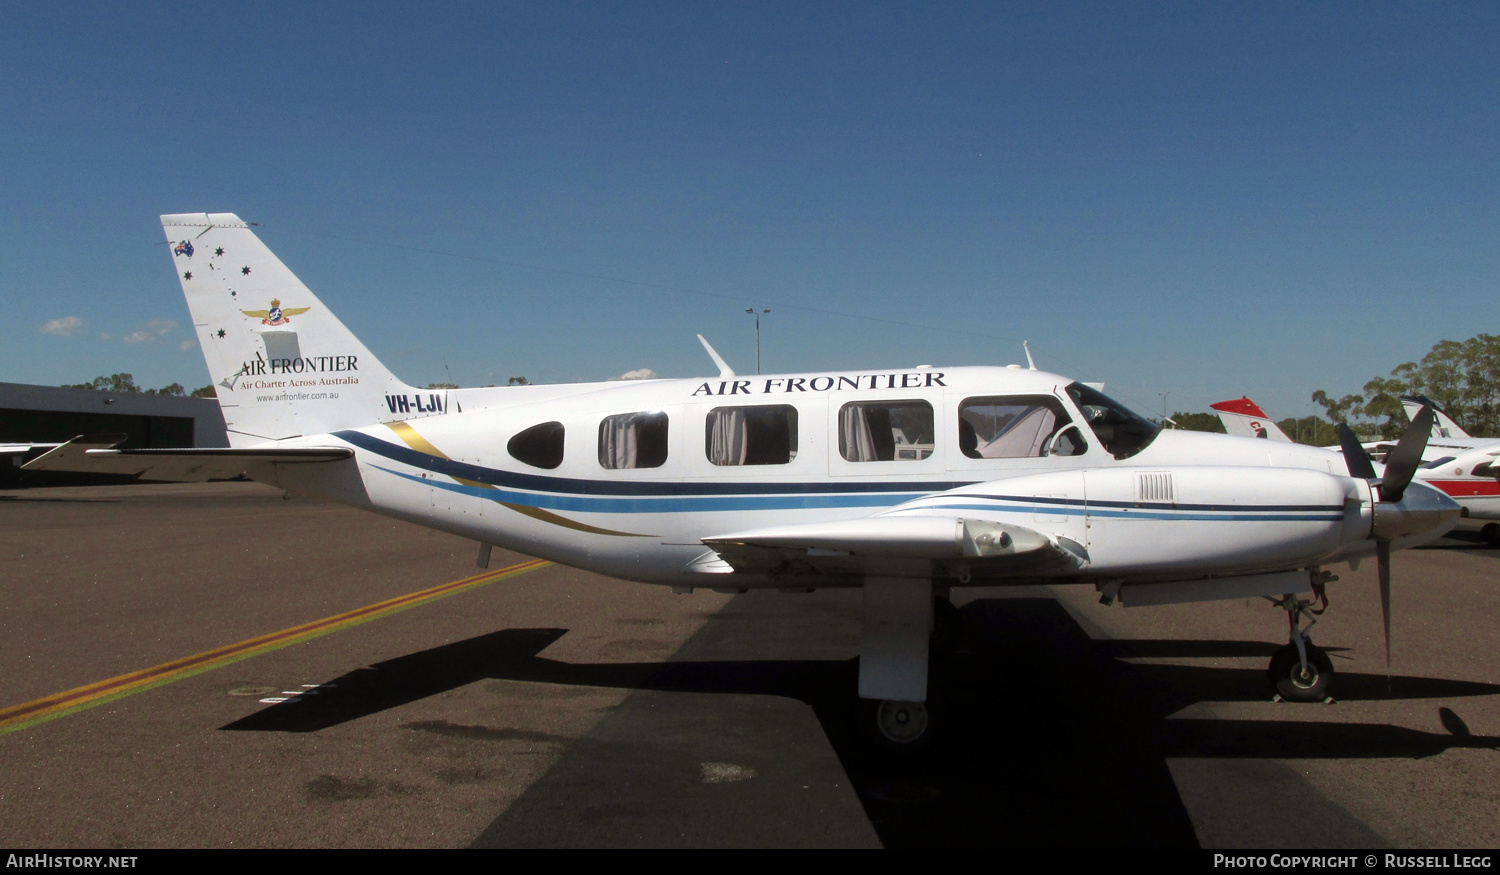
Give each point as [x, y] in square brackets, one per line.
[96, 454]
[900, 546]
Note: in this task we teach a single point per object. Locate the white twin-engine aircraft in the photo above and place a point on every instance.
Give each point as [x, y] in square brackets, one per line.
[904, 482]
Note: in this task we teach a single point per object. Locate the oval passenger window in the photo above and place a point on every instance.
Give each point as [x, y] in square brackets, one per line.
[540, 446]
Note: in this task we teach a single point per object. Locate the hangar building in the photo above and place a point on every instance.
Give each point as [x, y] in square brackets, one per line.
[45, 414]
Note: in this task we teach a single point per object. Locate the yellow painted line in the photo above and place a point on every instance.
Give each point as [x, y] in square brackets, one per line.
[61, 704]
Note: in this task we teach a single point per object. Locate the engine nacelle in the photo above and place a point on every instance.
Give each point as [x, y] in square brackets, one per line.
[1175, 522]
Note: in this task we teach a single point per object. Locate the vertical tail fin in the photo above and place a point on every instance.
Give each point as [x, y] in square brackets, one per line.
[282, 363]
[1443, 426]
[1244, 418]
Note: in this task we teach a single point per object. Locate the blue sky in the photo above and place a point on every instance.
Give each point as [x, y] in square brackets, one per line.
[1202, 199]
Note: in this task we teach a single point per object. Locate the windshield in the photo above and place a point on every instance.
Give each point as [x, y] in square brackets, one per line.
[1122, 432]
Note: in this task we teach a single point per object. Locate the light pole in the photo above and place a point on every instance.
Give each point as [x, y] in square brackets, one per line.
[757, 335]
[1164, 407]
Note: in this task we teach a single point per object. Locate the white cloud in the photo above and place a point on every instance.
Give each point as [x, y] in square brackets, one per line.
[185, 345]
[105, 335]
[639, 374]
[151, 331]
[67, 326]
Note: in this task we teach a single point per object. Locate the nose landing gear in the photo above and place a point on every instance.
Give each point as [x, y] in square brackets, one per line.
[1300, 671]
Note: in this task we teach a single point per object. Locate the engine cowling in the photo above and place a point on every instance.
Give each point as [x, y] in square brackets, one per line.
[1174, 522]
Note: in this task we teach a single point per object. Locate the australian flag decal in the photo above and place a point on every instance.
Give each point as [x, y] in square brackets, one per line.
[183, 248]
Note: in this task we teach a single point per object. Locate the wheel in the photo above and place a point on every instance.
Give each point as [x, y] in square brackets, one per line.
[902, 727]
[1491, 534]
[1295, 685]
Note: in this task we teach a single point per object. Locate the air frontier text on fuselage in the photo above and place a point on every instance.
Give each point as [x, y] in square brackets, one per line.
[826, 383]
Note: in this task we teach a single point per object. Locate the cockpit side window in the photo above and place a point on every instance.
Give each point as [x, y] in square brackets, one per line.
[1122, 432]
[1015, 427]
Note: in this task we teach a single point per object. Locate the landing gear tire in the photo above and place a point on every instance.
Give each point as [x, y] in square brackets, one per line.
[900, 727]
[1491, 534]
[1293, 683]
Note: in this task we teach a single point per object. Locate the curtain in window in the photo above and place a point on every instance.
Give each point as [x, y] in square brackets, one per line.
[618, 441]
[856, 442]
[727, 437]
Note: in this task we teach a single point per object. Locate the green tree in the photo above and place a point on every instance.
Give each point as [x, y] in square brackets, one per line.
[1463, 377]
[1310, 430]
[1338, 411]
[1198, 422]
[122, 383]
[1385, 401]
[205, 392]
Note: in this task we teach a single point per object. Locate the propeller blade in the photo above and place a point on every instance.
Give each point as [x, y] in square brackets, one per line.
[1402, 462]
[1383, 553]
[1355, 457]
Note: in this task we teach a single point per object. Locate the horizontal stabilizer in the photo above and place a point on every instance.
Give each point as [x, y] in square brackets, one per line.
[95, 454]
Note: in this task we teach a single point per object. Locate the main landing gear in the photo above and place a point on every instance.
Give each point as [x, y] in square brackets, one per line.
[903, 727]
[1300, 671]
[906, 725]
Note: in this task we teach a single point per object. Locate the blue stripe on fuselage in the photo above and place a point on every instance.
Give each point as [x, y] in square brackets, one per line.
[667, 504]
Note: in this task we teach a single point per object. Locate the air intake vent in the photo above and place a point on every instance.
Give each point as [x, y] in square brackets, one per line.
[1154, 488]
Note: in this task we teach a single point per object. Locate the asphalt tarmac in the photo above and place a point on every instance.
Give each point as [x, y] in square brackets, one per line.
[556, 708]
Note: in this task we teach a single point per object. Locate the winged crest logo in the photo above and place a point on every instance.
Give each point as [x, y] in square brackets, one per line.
[277, 315]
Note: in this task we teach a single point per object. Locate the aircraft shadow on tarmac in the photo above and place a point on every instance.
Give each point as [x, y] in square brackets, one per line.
[1463, 540]
[1039, 720]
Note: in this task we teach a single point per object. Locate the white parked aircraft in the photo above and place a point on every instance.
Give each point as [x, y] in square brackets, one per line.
[906, 482]
[1461, 466]
[1443, 426]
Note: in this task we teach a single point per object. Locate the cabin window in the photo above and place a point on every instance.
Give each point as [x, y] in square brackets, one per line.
[540, 446]
[633, 440]
[885, 431]
[1016, 427]
[752, 435]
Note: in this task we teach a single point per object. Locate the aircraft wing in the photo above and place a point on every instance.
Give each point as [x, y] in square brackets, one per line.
[893, 546]
[95, 454]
